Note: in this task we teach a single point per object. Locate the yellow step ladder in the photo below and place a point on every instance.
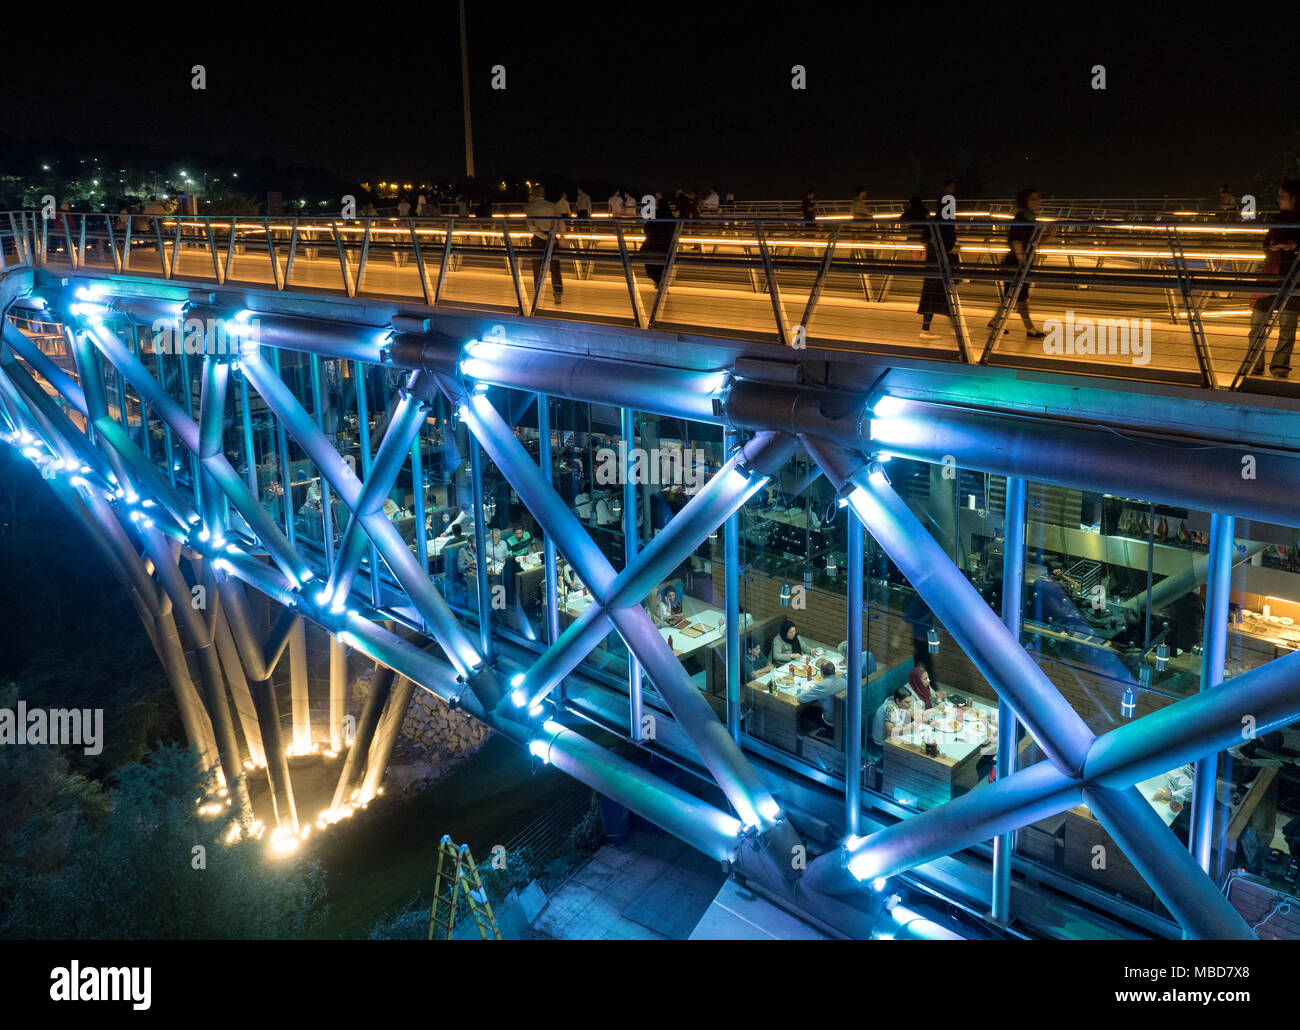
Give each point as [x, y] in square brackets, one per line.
[457, 872]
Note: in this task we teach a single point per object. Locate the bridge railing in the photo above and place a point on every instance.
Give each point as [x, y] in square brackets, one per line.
[839, 210]
[1185, 302]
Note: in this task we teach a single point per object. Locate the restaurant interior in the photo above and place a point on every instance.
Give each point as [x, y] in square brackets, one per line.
[1112, 608]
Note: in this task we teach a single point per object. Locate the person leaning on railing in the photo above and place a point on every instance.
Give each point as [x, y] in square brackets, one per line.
[542, 223]
[859, 208]
[658, 238]
[1281, 251]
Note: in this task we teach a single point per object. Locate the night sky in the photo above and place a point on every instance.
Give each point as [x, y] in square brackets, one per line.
[661, 96]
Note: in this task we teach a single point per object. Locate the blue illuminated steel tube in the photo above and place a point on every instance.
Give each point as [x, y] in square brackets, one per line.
[854, 672]
[404, 427]
[712, 831]
[659, 390]
[212, 412]
[414, 580]
[480, 548]
[724, 759]
[726, 492]
[731, 573]
[1031, 794]
[1013, 582]
[1217, 591]
[24, 392]
[544, 457]
[42, 363]
[627, 429]
[92, 378]
[153, 395]
[1192, 899]
[998, 655]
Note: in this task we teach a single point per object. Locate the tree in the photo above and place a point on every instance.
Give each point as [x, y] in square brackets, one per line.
[46, 805]
[141, 877]
[1266, 183]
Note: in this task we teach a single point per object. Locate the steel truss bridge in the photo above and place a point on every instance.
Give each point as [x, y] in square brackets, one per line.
[451, 308]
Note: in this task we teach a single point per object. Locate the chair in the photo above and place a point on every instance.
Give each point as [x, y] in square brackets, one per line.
[811, 722]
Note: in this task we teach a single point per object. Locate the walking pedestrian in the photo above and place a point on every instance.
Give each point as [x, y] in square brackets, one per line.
[934, 295]
[582, 202]
[808, 208]
[1019, 235]
[1281, 251]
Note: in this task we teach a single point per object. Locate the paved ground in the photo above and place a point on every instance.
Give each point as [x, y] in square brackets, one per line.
[652, 888]
[655, 888]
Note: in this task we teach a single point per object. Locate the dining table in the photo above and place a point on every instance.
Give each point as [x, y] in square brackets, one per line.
[935, 755]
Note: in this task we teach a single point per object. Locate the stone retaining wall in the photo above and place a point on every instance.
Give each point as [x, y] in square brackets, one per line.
[434, 738]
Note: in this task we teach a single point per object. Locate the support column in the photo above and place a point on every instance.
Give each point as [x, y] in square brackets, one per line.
[214, 686]
[390, 725]
[480, 550]
[1013, 582]
[239, 689]
[234, 606]
[547, 463]
[338, 690]
[381, 687]
[853, 673]
[731, 573]
[1218, 589]
[298, 689]
[627, 427]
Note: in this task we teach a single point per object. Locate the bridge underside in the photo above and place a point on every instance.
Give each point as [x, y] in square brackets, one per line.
[311, 449]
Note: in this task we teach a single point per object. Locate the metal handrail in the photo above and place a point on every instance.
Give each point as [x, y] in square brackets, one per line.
[854, 270]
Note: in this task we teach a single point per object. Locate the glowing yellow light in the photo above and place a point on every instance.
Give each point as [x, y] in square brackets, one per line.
[284, 843]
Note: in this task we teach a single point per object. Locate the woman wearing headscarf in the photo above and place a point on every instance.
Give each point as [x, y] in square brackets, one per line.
[786, 645]
[919, 681]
